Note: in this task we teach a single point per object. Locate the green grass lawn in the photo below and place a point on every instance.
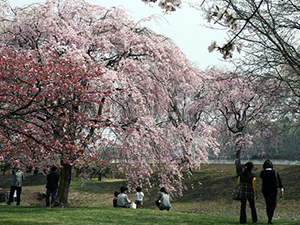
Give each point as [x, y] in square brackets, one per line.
[14, 215]
[208, 203]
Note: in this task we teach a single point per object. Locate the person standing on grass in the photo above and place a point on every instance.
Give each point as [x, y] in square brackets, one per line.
[270, 182]
[247, 183]
[122, 199]
[16, 185]
[52, 185]
[139, 195]
[163, 200]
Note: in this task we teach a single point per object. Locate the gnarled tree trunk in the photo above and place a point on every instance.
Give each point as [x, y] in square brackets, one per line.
[238, 148]
[64, 184]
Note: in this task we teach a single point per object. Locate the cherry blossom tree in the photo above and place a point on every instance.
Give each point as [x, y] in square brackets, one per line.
[136, 92]
[266, 32]
[46, 111]
[239, 103]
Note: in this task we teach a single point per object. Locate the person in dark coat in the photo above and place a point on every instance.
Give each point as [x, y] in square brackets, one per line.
[115, 199]
[52, 185]
[270, 183]
[247, 183]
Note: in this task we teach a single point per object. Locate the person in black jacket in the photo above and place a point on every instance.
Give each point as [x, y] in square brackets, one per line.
[52, 185]
[270, 182]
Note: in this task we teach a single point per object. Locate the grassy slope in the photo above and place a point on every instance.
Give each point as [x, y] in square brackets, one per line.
[213, 197]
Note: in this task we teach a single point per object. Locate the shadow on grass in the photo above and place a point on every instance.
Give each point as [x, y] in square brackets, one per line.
[97, 187]
[290, 182]
[21, 209]
[209, 185]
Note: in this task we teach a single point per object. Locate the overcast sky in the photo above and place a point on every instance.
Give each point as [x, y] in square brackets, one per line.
[186, 27]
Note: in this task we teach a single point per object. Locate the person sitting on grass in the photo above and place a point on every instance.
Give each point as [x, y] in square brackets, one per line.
[115, 199]
[163, 200]
[122, 199]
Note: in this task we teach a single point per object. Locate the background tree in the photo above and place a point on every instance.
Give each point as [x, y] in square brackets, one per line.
[269, 34]
[240, 106]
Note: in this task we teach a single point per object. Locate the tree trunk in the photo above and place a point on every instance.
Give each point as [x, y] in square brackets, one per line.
[238, 148]
[92, 174]
[238, 165]
[64, 184]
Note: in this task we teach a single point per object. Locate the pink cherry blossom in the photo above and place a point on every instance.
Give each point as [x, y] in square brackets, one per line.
[85, 86]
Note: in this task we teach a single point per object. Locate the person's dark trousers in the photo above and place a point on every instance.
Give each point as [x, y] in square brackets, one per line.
[271, 199]
[124, 206]
[243, 216]
[51, 193]
[11, 194]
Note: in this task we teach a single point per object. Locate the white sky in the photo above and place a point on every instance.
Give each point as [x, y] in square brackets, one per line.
[186, 27]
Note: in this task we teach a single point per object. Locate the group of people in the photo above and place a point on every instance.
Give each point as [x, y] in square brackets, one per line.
[271, 181]
[17, 182]
[121, 200]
